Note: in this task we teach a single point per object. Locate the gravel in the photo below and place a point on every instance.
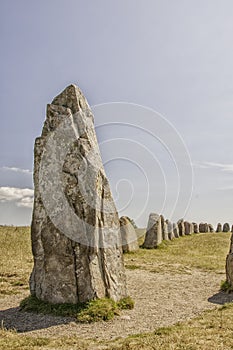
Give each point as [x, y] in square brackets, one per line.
[161, 299]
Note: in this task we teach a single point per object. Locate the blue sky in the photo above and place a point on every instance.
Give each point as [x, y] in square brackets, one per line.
[174, 57]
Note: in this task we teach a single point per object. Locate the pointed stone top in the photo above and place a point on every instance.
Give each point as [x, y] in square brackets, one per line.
[73, 98]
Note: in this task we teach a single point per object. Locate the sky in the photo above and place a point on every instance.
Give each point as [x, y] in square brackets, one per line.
[159, 77]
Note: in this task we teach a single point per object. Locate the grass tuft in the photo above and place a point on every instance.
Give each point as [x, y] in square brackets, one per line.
[126, 303]
[98, 310]
[226, 287]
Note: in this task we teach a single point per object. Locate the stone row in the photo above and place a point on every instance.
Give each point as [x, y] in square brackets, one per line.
[159, 229]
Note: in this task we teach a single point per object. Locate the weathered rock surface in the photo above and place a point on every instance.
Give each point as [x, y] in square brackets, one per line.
[187, 228]
[229, 264]
[170, 229]
[195, 227]
[75, 227]
[154, 232]
[175, 230]
[128, 235]
[219, 227]
[181, 227]
[226, 227]
[164, 228]
[211, 228]
[203, 227]
[191, 228]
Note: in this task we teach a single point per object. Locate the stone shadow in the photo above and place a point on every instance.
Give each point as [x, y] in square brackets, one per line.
[20, 321]
[221, 298]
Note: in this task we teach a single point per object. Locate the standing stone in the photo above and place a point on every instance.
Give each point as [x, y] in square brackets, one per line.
[75, 227]
[175, 230]
[181, 227]
[195, 227]
[226, 227]
[170, 229]
[128, 235]
[165, 231]
[210, 228]
[164, 228]
[229, 264]
[203, 227]
[191, 228]
[219, 227]
[154, 232]
[187, 228]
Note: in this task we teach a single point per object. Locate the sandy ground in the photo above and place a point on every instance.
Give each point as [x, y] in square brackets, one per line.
[160, 300]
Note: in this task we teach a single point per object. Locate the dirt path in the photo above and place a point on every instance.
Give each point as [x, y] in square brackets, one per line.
[160, 300]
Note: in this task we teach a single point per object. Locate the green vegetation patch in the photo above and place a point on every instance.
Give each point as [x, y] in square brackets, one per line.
[95, 310]
[226, 287]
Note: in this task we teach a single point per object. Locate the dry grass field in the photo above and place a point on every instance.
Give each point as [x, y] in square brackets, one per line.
[194, 262]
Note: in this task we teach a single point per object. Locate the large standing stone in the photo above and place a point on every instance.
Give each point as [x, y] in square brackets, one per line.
[226, 227]
[75, 226]
[219, 227]
[128, 235]
[154, 232]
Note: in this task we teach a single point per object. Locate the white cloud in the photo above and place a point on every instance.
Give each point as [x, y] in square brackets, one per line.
[213, 165]
[17, 170]
[23, 197]
[26, 202]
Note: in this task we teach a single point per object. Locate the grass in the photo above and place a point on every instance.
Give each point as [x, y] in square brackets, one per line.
[15, 259]
[96, 310]
[205, 251]
[212, 330]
